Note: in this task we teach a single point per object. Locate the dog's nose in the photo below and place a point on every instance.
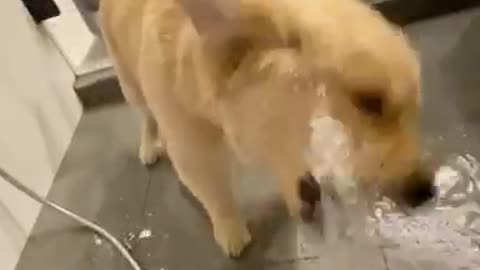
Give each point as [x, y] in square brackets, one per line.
[419, 188]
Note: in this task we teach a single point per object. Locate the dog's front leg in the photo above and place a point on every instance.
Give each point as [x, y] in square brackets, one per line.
[289, 173]
[202, 161]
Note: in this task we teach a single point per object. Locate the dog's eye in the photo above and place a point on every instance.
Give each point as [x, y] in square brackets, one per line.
[237, 50]
[370, 103]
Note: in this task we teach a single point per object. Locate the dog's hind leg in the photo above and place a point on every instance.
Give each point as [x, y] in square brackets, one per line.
[151, 144]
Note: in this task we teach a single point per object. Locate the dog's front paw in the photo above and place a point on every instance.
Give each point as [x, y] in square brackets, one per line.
[149, 153]
[232, 236]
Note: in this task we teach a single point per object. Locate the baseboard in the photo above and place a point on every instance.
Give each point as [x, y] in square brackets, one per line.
[104, 91]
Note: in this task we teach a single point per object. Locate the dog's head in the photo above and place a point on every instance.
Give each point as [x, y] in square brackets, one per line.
[347, 62]
[376, 95]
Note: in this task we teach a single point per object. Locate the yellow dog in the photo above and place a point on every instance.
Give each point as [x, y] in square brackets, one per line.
[222, 79]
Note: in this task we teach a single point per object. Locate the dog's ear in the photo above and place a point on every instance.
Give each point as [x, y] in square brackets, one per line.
[230, 28]
[216, 20]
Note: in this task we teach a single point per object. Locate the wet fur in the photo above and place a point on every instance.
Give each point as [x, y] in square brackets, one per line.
[246, 83]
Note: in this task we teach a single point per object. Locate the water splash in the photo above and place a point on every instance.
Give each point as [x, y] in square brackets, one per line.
[329, 155]
[450, 232]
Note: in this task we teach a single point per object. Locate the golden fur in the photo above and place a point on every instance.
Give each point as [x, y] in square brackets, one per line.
[246, 79]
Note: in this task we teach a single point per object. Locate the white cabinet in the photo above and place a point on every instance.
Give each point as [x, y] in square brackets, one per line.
[38, 115]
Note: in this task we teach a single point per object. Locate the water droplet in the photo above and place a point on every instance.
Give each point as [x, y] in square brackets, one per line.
[98, 240]
[145, 233]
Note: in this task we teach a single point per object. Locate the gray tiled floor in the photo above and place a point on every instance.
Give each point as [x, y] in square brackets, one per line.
[101, 179]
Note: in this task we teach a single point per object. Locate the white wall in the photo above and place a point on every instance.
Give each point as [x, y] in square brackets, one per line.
[38, 114]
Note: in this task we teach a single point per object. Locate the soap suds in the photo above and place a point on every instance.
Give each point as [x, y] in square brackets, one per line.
[145, 233]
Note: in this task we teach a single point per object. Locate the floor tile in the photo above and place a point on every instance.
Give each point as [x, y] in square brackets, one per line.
[100, 179]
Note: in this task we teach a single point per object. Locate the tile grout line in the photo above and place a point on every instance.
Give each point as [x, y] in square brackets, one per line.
[147, 193]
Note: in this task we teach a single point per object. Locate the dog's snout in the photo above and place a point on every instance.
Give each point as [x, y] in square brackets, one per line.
[418, 188]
